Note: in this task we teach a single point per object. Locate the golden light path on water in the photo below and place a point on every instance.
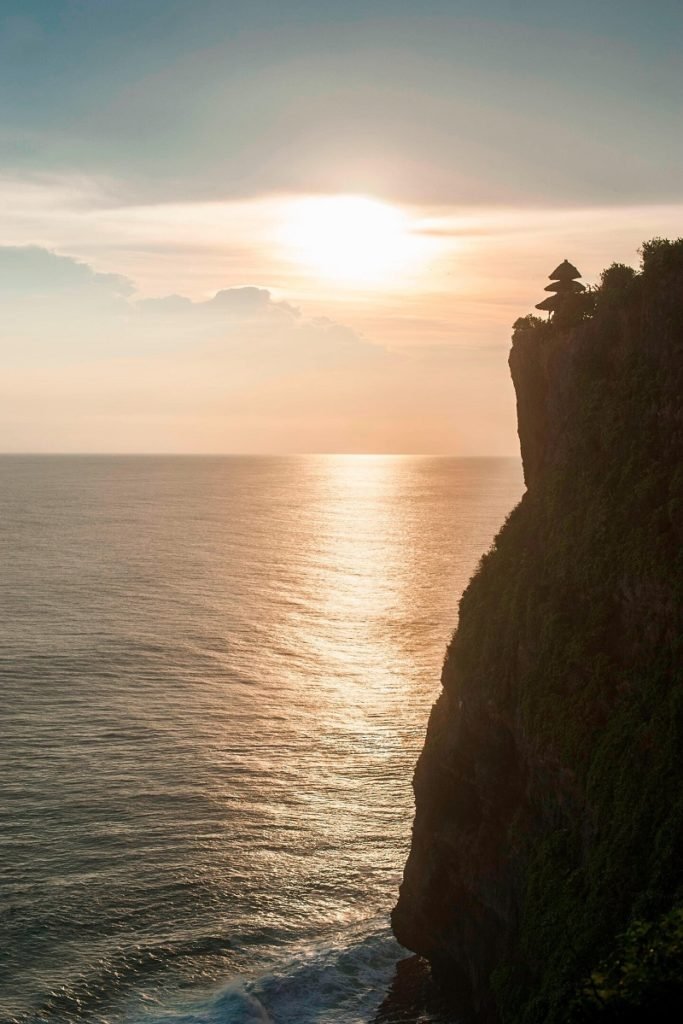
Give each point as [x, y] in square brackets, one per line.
[218, 676]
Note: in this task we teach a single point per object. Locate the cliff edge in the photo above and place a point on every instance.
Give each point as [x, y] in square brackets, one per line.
[545, 877]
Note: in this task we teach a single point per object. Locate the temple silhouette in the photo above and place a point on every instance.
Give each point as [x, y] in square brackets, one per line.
[564, 285]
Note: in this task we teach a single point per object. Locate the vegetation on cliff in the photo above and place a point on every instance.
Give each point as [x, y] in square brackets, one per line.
[545, 880]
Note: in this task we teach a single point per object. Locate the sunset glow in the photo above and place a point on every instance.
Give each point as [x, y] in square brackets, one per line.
[350, 239]
[250, 231]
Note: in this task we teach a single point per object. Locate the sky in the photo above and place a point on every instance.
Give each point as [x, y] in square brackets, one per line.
[290, 227]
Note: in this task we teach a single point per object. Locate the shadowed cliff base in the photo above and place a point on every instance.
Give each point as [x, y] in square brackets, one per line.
[545, 878]
[414, 997]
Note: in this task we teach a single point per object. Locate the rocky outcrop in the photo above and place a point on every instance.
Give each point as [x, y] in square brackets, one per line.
[549, 796]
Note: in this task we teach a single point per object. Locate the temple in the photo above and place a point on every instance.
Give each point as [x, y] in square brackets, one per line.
[564, 285]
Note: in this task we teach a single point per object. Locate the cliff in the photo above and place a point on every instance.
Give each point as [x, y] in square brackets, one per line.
[545, 878]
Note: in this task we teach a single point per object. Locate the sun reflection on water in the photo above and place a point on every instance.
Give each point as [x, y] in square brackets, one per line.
[249, 722]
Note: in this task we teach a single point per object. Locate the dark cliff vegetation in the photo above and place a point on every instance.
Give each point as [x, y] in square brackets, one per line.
[545, 880]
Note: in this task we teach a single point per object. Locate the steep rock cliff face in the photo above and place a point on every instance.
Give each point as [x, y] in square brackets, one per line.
[549, 796]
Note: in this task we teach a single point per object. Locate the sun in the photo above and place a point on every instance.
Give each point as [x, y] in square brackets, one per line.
[349, 239]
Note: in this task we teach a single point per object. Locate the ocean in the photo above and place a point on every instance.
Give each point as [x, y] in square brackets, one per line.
[216, 678]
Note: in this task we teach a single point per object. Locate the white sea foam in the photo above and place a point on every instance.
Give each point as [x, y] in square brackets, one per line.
[343, 984]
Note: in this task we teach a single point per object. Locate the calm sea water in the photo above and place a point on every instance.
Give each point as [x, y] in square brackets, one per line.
[216, 676]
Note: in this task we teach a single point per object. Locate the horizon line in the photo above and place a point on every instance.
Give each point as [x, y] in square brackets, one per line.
[251, 455]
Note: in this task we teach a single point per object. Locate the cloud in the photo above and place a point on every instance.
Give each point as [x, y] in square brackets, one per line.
[254, 99]
[89, 365]
[60, 308]
[250, 325]
[244, 303]
[31, 269]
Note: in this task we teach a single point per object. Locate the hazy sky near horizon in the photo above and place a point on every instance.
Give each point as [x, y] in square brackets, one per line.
[309, 226]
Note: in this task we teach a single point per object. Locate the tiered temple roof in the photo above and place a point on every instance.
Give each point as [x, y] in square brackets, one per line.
[563, 283]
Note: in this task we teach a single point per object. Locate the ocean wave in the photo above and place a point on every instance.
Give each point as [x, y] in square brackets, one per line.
[344, 984]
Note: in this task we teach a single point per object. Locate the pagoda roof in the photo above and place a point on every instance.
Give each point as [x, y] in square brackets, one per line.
[566, 286]
[566, 271]
[549, 304]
